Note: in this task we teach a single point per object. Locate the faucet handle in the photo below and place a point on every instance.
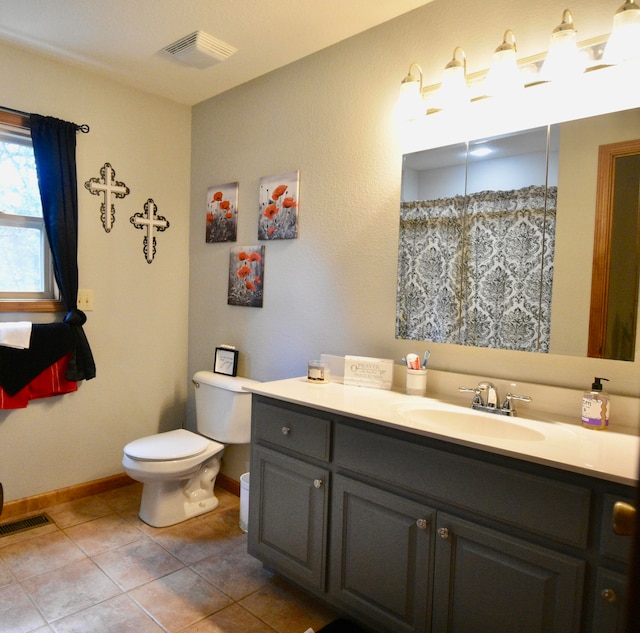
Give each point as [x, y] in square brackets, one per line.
[477, 398]
[507, 407]
[492, 394]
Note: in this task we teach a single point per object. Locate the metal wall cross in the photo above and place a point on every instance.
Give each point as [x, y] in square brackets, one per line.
[149, 220]
[108, 186]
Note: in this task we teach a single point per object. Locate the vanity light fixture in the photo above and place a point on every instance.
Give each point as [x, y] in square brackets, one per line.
[564, 60]
[411, 104]
[504, 76]
[624, 41]
[454, 91]
[566, 68]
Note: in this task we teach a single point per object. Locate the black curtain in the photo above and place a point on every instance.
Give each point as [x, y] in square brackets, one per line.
[54, 147]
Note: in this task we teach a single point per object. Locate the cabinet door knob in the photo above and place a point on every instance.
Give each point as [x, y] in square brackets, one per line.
[422, 524]
[286, 430]
[609, 595]
[443, 532]
[317, 483]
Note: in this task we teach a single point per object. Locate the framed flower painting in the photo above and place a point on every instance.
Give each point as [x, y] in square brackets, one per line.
[222, 213]
[279, 197]
[246, 276]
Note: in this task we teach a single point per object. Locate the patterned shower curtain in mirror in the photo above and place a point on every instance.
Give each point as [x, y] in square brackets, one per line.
[478, 269]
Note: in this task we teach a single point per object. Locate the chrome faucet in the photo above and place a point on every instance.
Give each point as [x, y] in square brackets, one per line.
[490, 403]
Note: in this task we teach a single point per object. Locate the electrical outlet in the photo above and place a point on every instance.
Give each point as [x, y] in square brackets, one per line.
[85, 300]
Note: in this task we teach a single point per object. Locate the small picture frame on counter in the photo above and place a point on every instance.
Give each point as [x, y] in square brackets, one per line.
[225, 361]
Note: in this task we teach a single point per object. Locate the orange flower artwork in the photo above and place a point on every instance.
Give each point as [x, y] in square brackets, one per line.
[246, 272]
[222, 213]
[278, 203]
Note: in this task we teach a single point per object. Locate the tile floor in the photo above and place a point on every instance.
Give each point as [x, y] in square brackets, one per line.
[100, 569]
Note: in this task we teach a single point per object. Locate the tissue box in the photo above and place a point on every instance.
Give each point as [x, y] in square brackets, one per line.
[360, 371]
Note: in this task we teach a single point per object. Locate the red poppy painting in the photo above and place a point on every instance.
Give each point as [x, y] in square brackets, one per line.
[222, 213]
[279, 202]
[246, 272]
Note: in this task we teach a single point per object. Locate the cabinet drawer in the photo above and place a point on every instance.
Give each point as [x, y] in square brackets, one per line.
[291, 428]
[552, 509]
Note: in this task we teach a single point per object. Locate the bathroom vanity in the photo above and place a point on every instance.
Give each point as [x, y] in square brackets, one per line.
[413, 525]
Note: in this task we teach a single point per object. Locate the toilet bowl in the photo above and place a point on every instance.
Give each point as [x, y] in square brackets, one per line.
[178, 468]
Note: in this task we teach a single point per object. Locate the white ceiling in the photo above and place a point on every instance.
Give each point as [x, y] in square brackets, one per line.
[123, 39]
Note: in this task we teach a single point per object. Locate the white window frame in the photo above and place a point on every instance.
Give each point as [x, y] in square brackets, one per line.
[15, 127]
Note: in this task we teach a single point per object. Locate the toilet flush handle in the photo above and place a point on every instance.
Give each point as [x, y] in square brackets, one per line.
[197, 384]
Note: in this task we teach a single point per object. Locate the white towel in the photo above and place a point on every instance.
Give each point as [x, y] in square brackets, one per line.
[15, 334]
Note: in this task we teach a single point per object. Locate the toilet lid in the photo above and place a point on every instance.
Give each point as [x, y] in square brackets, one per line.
[178, 444]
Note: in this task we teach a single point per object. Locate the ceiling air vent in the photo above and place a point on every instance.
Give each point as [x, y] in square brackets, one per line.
[200, 50]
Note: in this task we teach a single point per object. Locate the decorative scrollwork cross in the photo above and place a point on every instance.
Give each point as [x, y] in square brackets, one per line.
[107, 185]
[149, 220]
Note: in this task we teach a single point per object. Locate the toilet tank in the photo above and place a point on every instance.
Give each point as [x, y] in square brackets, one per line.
[223, 408]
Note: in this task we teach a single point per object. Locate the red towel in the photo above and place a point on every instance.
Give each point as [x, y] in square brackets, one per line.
[51, 382]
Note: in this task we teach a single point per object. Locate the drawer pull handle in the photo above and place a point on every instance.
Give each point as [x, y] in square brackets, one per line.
[624, 517]
[422, 524]
[317, 483]
[609, 595]
[286, 430]
[443, 533]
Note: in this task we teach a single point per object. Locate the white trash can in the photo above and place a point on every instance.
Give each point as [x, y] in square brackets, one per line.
[244, 502]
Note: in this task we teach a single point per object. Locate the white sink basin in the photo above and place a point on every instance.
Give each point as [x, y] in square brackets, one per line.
[467, 422]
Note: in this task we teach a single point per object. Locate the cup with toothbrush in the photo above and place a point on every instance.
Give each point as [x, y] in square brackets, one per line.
[416, 381]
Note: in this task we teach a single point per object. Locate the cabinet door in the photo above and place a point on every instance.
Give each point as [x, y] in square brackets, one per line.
[610, 602]
[288, 502]
[381, 556]
[486, 582]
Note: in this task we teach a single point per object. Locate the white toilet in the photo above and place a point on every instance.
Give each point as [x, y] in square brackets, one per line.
[178, 468]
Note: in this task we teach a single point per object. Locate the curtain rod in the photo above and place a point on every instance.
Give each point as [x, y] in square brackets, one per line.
[84, 128]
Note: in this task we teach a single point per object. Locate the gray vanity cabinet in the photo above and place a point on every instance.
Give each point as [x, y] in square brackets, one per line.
[289, 493]
[292, 526]
[609, 601]
[381, 555]
[410, 534]
[487, 581]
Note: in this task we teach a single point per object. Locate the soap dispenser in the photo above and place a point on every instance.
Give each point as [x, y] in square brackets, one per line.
[595, 406]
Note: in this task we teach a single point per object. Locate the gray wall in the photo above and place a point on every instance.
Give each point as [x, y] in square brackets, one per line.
[330, 115]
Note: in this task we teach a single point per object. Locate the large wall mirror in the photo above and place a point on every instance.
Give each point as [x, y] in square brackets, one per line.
[496, 241]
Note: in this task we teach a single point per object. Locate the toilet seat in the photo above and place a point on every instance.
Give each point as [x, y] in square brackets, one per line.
[168, 446]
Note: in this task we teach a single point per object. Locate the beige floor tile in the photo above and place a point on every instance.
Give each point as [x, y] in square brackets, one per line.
[196, 539]
[6, 577]
[117, 615]
[124, 498]
[38, 555]
[287, 609]
[103, 534]
[17, 613]
[46, 575]
[179, 599]
[232, 619]
[234, 572]
[137, 563]
[70, 589]
[226, 499]
[78, 511]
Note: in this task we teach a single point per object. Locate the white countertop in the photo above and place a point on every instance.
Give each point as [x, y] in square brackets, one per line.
[549, 440]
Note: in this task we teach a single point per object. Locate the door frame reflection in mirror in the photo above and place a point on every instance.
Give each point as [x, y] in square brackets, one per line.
[616, 253]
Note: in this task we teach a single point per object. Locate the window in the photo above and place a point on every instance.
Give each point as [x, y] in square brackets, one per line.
[26, 274]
